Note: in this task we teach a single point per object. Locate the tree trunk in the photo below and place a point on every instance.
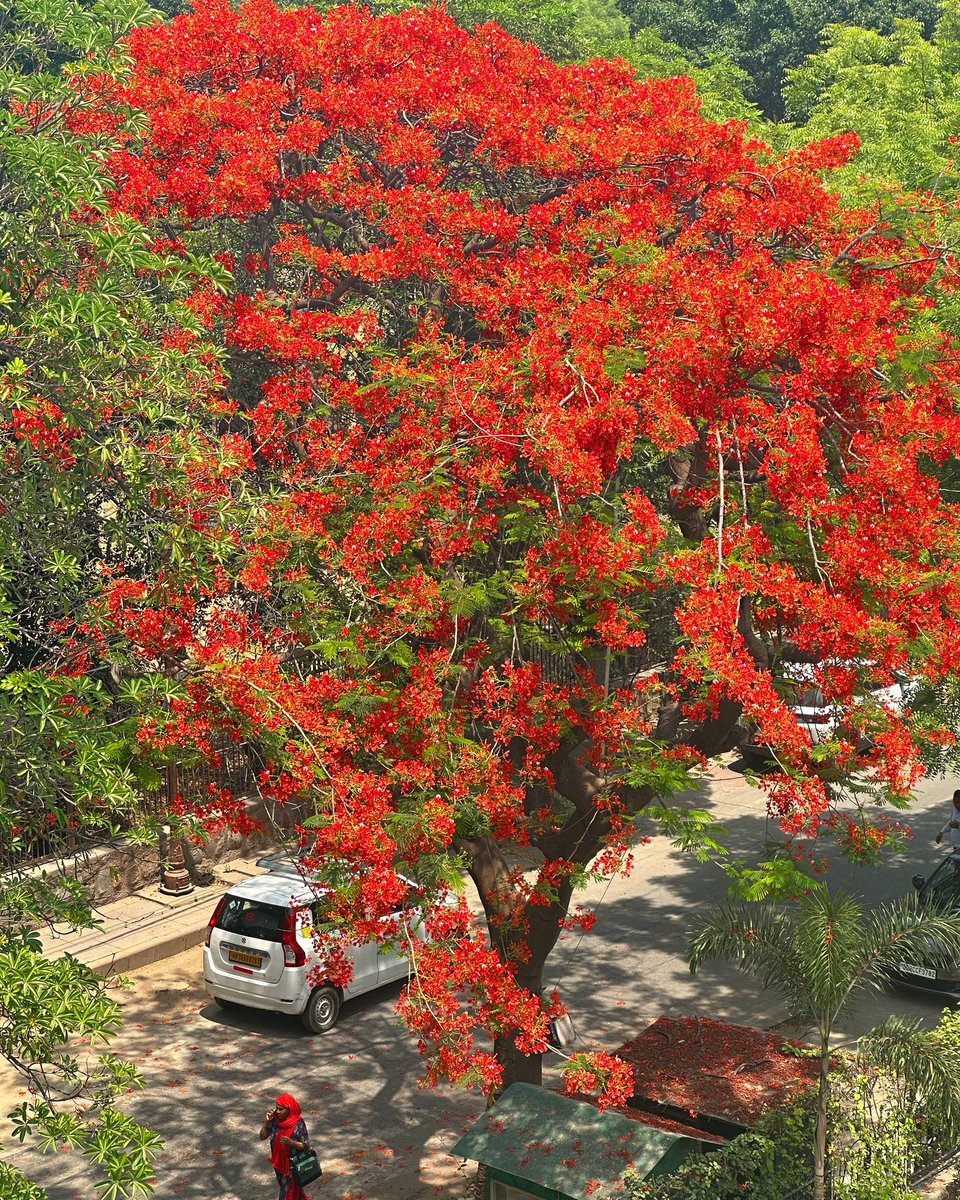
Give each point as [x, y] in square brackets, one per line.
[517, 1067]
[526, 947]
[820, 1136]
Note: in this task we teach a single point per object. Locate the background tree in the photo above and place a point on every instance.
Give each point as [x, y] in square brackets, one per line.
[820, 955]
[98, 353]
[896, 91]
[94, 361]
[565, 30]
[763, 40]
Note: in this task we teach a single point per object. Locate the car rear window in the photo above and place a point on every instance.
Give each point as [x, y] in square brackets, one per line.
[253, 918]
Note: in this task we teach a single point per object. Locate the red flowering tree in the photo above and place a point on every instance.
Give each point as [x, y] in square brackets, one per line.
[525, 365]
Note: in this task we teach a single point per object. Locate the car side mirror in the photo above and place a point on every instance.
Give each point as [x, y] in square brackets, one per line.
[918, 882]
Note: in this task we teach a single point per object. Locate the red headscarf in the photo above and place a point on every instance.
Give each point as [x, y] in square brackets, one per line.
[280, 1154]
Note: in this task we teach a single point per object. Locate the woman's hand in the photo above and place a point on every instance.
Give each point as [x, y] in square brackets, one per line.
[287, 1141]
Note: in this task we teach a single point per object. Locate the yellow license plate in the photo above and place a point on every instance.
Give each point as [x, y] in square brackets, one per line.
[242, 956]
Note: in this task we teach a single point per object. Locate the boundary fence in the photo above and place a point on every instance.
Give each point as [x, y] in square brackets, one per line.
[41, 843]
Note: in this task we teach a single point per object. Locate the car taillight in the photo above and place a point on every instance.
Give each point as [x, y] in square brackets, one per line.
[293, 955]
[212, 923]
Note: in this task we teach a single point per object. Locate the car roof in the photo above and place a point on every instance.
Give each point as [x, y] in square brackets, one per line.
[292, 864]
[274, 888]
[289, 866]
[283, 864]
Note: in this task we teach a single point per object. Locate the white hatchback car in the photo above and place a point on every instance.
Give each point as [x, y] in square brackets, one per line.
[259, 951]
[816, 715]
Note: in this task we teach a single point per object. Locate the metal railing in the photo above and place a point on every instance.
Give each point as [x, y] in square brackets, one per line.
[41, 841]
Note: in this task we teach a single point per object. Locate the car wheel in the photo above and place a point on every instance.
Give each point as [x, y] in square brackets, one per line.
[322, 1009]
[228, 1005]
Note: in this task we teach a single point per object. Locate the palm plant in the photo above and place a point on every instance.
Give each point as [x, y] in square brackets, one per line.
[820, 954]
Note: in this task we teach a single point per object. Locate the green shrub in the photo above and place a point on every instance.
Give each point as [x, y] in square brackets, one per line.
[771, 1163]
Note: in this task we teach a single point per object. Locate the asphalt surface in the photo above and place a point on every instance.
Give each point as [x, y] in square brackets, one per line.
[210, 1075]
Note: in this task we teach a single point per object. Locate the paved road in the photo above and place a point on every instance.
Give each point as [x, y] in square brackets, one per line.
[210, 1075]
[637, 945]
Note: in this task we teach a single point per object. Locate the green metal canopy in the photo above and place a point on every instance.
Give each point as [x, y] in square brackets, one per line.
[566, 1147]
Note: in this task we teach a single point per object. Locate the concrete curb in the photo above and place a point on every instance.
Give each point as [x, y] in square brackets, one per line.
[150, 944]
[143, 929]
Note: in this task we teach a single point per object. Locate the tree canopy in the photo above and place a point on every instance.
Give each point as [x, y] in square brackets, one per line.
[88, 364]
[547, 418]
[475, 436]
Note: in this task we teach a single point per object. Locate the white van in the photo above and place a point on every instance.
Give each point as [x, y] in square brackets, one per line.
[259, 951]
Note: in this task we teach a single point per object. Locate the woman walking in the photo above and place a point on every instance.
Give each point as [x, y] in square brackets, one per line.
[287, 1131]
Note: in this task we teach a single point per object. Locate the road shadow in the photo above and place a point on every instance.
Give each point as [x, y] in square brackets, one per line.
[210, 1075]
[633, 967]
[288, 1025]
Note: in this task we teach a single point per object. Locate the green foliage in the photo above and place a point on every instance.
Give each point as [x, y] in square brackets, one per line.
[819, 954]
[16, 1186]
[123, 1150]
[95, 356]
[45, 1001]
[47, 1006]
[691, 830]
[566, 30]
[872, 1148]
[762, 47]
[772, 1162]
[824, 950]
[723, 86]
[896, 91]
[893, 1108]
[88, 365]
[926, 1064]
[778, 878]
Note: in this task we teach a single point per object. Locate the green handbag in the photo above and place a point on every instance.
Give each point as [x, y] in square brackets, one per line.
[305, 1166]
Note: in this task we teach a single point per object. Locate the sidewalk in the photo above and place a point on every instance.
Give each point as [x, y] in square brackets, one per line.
[145, 928]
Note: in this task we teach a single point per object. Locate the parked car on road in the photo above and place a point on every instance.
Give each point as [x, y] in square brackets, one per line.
[941, 889]
[259, 950]
[820, 718]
